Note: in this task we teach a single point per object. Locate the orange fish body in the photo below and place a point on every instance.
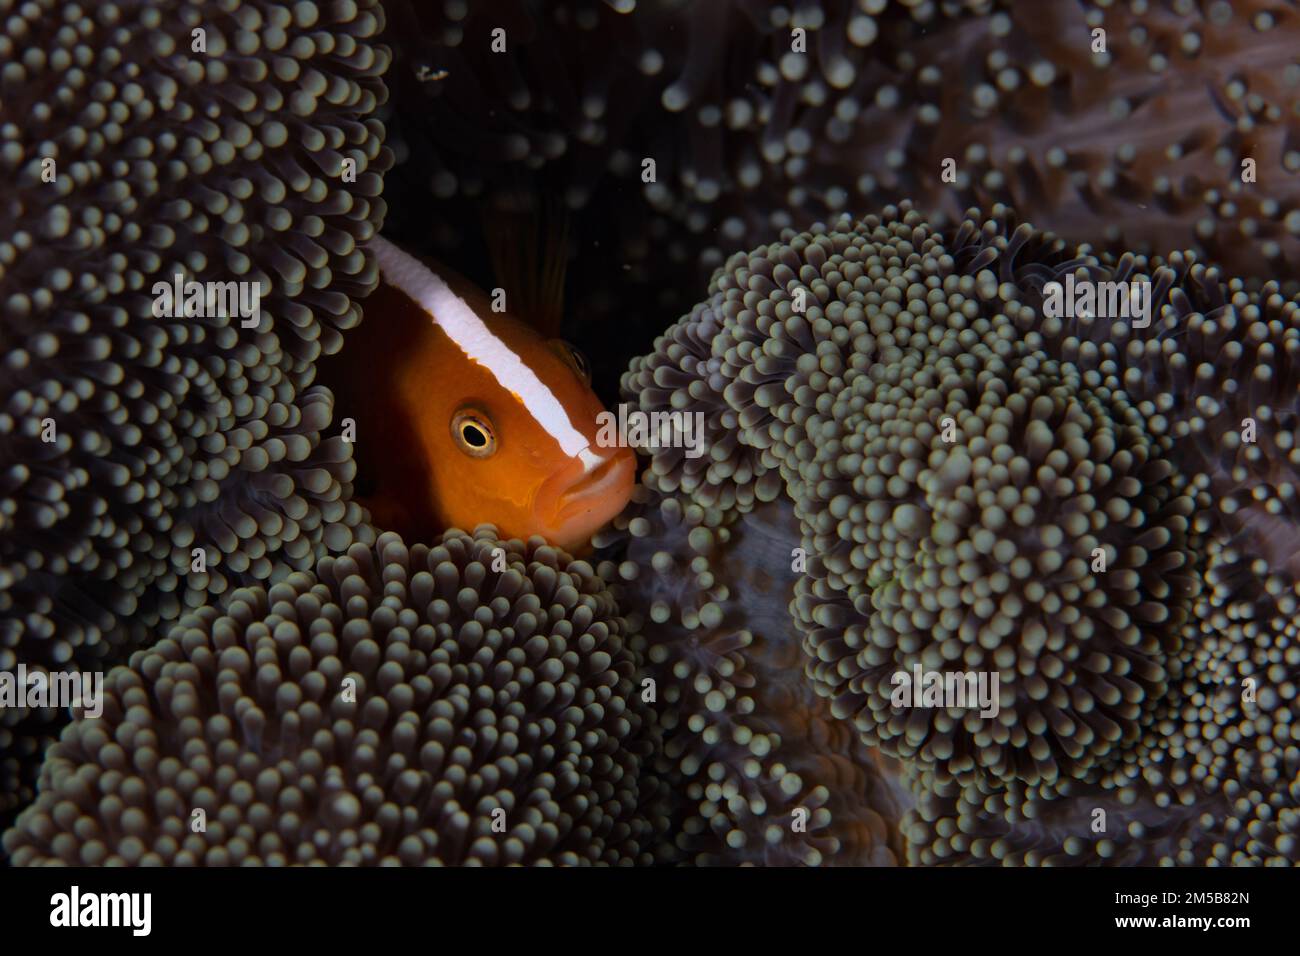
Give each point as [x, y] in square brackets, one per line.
[466, 416]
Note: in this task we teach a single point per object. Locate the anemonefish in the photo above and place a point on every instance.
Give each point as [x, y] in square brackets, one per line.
[467, 416]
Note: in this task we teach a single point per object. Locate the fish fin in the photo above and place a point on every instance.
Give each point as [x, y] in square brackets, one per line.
[529, 247]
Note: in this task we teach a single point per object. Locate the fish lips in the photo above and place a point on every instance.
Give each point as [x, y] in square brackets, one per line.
[576, 502]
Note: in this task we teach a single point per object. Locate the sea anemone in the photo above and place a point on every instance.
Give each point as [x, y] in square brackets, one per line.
[473, 702]
[153, 464]
[1215, 781]
[1136, 146]
[758, 769]
[985, 487]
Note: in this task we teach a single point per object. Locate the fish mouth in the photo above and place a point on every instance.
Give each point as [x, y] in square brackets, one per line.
[590, 500]
[605, 490]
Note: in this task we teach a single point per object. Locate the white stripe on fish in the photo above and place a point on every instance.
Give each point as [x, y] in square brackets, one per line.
[454, 316]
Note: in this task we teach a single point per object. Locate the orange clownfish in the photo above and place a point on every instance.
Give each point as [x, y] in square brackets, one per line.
[467, 416]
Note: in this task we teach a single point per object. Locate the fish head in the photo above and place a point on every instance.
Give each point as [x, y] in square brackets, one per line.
[527, 459]
[507, 418]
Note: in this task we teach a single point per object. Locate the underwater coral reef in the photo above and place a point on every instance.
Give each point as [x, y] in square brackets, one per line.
[835, 234]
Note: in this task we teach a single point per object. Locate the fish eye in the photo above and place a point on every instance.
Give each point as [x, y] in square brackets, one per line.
[574, 359]
[472, 432]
